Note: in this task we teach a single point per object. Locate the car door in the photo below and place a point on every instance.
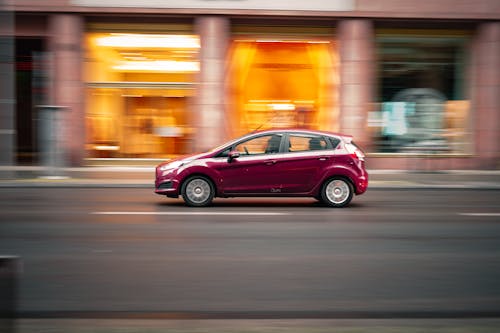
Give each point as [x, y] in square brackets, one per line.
[255, 171]
[301, 167]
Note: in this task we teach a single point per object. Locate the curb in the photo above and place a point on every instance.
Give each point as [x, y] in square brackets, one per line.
[73, 183]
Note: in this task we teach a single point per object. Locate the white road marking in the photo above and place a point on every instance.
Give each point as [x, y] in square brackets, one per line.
[194, 213]
[480, 214]
[102, 251]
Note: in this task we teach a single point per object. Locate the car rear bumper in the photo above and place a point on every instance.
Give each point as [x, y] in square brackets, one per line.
[362, 184]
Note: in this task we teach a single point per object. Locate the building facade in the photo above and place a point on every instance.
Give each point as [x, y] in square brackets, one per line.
[417, 83]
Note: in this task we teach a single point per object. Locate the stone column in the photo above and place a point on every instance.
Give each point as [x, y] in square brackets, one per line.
[67, 90]
[357, 61]
[7, 90]
[211, 124]
[486, 94]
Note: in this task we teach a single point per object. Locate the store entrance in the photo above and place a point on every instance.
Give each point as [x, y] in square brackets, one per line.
[283, 83]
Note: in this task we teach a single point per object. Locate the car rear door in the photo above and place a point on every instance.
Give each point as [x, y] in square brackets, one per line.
[301, 167]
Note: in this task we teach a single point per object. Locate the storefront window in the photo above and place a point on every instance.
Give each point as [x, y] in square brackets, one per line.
[139, 90]
[423, 105]
[276, 82]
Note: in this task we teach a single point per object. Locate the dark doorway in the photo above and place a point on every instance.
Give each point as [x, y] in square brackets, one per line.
[31, 76]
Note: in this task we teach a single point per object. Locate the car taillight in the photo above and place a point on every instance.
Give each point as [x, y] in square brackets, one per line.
[355, 152]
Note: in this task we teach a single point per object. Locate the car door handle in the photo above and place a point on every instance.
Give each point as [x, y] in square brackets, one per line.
[271, 162]
[323, 158]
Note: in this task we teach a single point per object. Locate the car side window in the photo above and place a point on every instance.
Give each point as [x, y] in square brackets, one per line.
[299, 143]
[335, 142]
[267, 144]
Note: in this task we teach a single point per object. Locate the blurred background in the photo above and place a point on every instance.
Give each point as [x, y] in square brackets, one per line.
[123, 83]
[410, 80]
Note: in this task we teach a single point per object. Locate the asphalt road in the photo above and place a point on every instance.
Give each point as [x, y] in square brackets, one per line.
[109, 253]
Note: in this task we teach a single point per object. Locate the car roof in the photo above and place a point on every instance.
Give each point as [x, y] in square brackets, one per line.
[347, 138]
[299, 130]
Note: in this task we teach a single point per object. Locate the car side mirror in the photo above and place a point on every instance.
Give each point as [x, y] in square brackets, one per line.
[232, 155]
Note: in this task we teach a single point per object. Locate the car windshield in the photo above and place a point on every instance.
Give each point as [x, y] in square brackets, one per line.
[227, 144]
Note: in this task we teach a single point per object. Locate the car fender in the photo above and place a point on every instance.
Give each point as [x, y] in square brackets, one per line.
[201, 170]
[335, 170]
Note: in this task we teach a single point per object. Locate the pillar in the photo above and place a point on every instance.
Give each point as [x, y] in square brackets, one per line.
[211, 124]
[67, 90]
[7, 90]
[357, 61]
[486, 94]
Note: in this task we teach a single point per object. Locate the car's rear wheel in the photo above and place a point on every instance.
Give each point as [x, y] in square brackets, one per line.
[337, 192]
[198, 191]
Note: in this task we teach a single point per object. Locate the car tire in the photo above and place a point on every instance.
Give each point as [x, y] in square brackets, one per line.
[198, 191]
[337, 192]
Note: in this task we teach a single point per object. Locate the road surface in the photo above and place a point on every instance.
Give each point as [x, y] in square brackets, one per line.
[108, 253]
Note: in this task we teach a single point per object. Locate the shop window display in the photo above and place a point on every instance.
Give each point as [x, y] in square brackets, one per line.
[423, 106]
[139, 90]
[280, 83]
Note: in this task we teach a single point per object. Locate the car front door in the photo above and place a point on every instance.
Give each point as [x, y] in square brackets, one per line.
[256, 170]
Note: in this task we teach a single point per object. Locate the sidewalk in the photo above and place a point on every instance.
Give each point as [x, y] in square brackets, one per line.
[143, 177]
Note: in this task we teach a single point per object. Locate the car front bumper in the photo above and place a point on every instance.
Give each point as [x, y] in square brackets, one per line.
[166, 184]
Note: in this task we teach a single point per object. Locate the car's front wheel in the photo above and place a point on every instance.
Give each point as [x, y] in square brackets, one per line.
[337, 192]
[198, 191]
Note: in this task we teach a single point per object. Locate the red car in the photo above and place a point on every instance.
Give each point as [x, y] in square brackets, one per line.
[278, 163]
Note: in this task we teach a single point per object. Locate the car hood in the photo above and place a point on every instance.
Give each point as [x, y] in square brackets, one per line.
[185, 158]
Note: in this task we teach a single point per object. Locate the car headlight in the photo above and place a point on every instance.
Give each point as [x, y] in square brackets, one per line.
[173, 165]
